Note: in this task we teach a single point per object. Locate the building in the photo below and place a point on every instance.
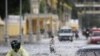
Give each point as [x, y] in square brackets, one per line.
[74, 24]
[34, 6]
[67, 13]
[87, 10]
[13, 28]
[52, 5]
[63, 7]
[35, 21]
[46, 22]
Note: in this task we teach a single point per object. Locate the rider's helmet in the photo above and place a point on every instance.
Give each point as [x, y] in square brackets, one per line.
[15, 45]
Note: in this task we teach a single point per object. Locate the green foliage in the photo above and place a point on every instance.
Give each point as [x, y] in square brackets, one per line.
[2, 8]
[42, 6]
[13, 7]
[26, 6]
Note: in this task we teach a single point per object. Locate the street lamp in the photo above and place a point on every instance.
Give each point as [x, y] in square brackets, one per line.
[6, 23]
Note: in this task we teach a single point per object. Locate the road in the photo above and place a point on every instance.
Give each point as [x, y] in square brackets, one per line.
[63, 48]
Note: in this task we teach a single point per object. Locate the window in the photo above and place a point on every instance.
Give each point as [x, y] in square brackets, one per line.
[65, 31]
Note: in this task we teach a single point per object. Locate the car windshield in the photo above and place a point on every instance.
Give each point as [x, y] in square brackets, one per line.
[89, 53]
[96, 34]
[65, 30]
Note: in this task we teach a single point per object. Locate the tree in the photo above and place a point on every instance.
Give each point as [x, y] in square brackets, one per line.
[13, 7]
[2, 8]
[42, 6]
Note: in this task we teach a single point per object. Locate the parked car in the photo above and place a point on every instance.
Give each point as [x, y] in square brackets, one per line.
[95, 29]
[90, 50]
[65, 34]
[95, 38]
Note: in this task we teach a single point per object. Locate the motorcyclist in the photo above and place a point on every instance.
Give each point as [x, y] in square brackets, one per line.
[87, 33]
[17, 50]
[76, 35]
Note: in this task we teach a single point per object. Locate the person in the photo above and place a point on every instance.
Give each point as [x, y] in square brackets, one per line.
[42, 31]
[76, 35]
[52, 48]
[17, 50]
[52, 40]
[87, 33]
[50, 34]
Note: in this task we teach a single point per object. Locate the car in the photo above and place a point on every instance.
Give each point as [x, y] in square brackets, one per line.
[94, 38]
[95, 29]
[89, 50]
[65, 34]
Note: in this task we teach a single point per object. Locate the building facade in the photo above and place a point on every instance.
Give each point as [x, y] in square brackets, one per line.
[34, 6]
[13, 25]
[49, 21]
[87, 10]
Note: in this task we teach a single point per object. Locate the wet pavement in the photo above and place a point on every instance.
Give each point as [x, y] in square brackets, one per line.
[64, 48]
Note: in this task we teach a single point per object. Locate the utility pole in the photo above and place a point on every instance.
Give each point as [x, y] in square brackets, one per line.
[30, 24]
[45, 27]
[6, 24]
[38, 28]
[20, 25]
[38, 23]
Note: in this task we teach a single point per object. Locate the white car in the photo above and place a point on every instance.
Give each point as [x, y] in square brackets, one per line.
[90, 50]
[65, 34]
